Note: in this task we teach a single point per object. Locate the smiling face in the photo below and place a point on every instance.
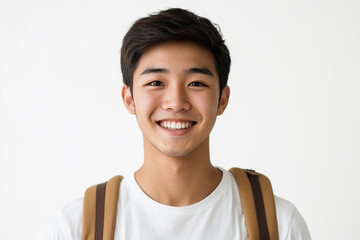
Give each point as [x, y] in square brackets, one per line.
[176, 98]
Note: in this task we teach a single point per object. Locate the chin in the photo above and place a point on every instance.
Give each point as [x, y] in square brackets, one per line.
[177, 152]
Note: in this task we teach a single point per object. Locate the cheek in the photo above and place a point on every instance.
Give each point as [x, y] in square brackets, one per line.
[207, 104]
[145, 104]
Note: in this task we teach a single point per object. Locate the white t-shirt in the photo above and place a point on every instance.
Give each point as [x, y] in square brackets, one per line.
[218, 216]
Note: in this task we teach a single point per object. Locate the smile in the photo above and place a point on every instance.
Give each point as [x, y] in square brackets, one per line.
[174, 125]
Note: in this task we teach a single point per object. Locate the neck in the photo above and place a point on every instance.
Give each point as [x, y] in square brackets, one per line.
[178, 181]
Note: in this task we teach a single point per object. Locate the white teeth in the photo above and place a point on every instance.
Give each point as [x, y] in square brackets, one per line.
[175, 125]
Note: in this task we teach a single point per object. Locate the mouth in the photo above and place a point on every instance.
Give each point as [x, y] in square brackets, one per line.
[176, 125]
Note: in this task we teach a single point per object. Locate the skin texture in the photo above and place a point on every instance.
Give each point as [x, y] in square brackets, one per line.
[176, 81]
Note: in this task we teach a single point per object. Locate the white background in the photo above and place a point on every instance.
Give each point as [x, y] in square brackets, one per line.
[294, 110]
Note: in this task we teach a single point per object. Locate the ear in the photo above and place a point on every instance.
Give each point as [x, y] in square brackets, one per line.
[223, 100]
[128, 99]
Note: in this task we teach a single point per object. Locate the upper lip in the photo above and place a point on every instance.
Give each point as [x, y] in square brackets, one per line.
[175, 120]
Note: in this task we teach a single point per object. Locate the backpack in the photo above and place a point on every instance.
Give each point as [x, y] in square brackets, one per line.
[257, 199]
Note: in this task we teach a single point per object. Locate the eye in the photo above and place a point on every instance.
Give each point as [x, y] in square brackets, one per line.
[197, 84]
[155, 83]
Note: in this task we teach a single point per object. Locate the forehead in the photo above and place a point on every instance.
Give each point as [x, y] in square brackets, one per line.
[176, 56]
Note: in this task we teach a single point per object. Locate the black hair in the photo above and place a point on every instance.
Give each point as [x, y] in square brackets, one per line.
[173, 24]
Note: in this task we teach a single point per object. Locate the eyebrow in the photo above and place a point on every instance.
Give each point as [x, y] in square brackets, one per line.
[200, 70]
[154, 70]
[190, 70]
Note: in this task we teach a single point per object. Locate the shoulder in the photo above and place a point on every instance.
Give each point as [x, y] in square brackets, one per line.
[66, 224]
[290, 222]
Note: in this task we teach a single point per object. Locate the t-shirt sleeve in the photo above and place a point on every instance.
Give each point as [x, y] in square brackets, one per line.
[292, 225]
[298, 229]
[66, 225]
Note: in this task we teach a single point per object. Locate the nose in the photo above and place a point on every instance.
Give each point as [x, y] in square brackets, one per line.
[175, 99]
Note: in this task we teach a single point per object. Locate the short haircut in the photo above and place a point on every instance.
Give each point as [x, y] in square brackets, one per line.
[173, 24]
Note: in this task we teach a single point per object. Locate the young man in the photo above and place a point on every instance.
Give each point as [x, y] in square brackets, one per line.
[175, 67]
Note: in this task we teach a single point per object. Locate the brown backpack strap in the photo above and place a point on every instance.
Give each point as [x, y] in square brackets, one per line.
[99, 210]
[258, 204]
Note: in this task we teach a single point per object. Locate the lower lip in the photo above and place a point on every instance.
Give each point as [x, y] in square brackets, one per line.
[177, 132]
